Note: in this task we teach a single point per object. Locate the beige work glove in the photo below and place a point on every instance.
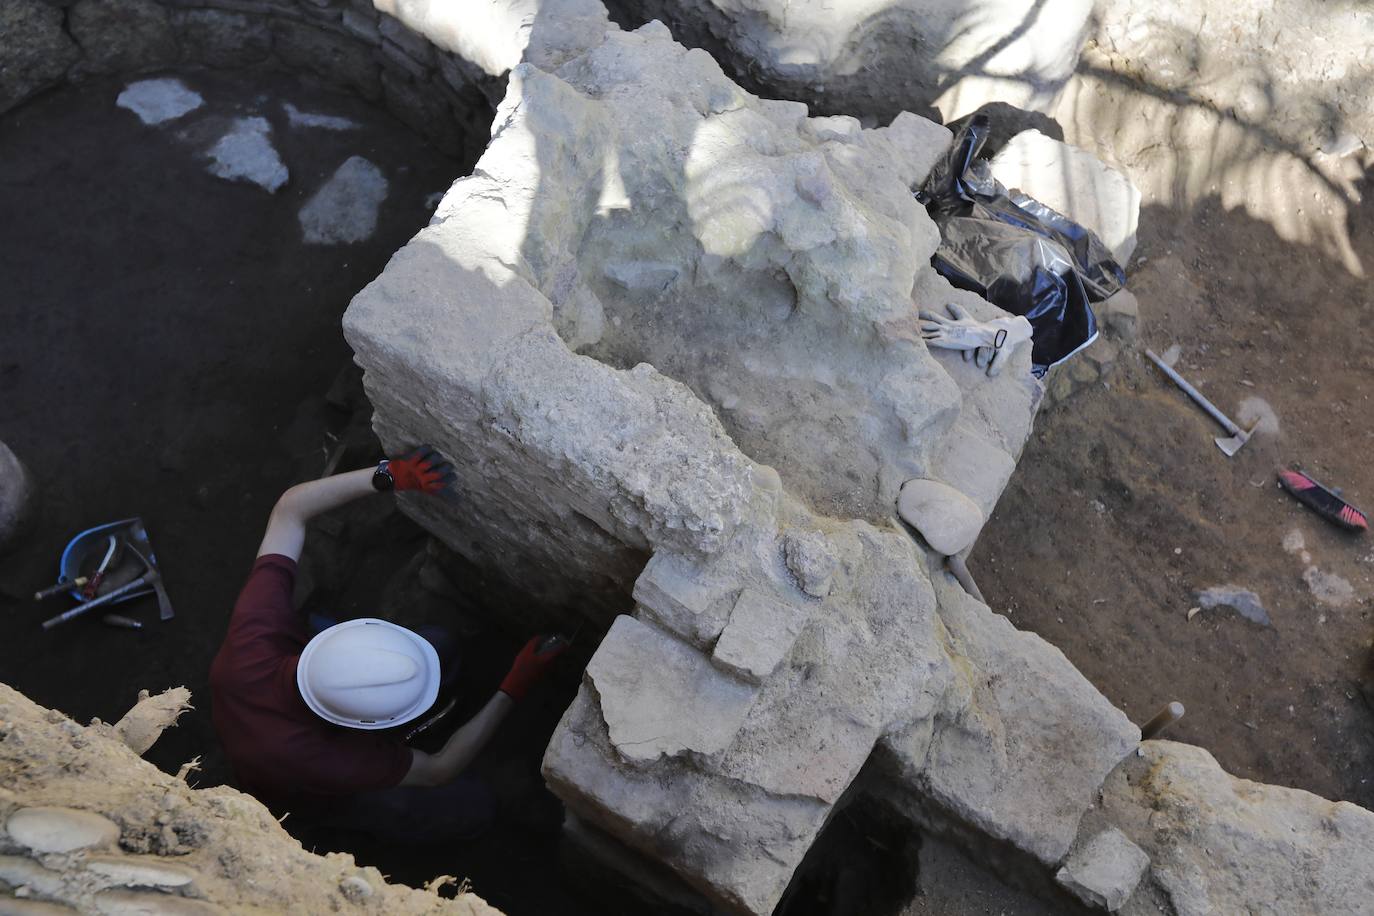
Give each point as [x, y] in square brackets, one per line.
[990, 342]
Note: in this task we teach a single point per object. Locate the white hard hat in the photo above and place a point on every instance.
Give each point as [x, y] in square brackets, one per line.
[368, 673]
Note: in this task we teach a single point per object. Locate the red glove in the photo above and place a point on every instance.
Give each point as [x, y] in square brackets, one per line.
[531, 664]
[423, 469]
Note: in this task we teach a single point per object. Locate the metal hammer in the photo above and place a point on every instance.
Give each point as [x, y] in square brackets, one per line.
[1228, 444]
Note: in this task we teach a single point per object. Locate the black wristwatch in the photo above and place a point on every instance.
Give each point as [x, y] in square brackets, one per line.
[382, 481]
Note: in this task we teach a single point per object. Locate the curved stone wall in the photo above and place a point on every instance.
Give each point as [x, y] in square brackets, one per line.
[347, 44]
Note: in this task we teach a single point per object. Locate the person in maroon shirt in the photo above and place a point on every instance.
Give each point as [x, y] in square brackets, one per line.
[310, 736]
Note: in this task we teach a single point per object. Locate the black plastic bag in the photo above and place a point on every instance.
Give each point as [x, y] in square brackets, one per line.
[1016, 252]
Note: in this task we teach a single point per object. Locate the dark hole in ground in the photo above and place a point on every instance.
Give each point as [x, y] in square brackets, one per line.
[863, 863]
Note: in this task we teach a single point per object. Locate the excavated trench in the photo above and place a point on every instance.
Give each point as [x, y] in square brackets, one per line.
[172, 351]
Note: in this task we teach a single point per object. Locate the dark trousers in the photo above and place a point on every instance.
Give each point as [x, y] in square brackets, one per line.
[417, 815]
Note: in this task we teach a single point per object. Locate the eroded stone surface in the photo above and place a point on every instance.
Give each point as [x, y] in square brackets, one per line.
[662, 698]
[1022, 741]
[758, 636]
[1218, 844]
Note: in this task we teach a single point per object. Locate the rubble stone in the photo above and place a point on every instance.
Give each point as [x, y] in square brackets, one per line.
[140, 871]
[35, 53]
[758, 636]
[122, 35]
[16, 498]
[49, 829]
[1075, 183]
[873, 60]
[1104, 872]
[222, 38]
[946, 518]
[811, 559]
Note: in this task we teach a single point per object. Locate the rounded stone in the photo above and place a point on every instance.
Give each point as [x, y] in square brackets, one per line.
[355, 889]
[52, 829]
[946, 518]
[16, 498]
[141, 871]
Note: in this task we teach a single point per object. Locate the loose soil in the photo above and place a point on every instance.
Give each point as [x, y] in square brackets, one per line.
[1122, 508]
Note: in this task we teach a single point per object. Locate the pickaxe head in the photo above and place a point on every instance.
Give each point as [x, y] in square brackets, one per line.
[1232, 444]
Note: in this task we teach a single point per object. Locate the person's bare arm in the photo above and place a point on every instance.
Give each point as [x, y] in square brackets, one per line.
[459, 750]
[421, 470]
[286, 527]
[530, 665]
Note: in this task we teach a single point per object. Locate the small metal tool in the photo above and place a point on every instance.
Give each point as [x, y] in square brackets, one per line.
[1228, 444]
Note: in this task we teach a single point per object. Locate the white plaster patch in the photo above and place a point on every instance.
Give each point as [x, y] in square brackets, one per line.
[246, 153]
[297, 118]
[155, 101]
[1256, 415]
[1329, 588]
[344, 209]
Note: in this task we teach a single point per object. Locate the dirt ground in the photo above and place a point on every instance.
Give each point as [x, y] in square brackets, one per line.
[1122, 507]
[167, 339]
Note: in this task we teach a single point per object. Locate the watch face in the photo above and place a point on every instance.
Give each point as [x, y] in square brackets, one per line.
[381, 478]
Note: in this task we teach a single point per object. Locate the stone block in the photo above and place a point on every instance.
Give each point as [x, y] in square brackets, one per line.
[421, 108]
[1104, 872]
[122, 35]
[412, 43]
[698, 825]
[678, 595]
[1119, 316]
[758, 636]
[222, 38]
[16, 499]
[407, 67]
[344, 62]
[35, 51]
[1026, 745]
[1077, 184]
[1219, 844]
[660, 697]
[362, 24]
